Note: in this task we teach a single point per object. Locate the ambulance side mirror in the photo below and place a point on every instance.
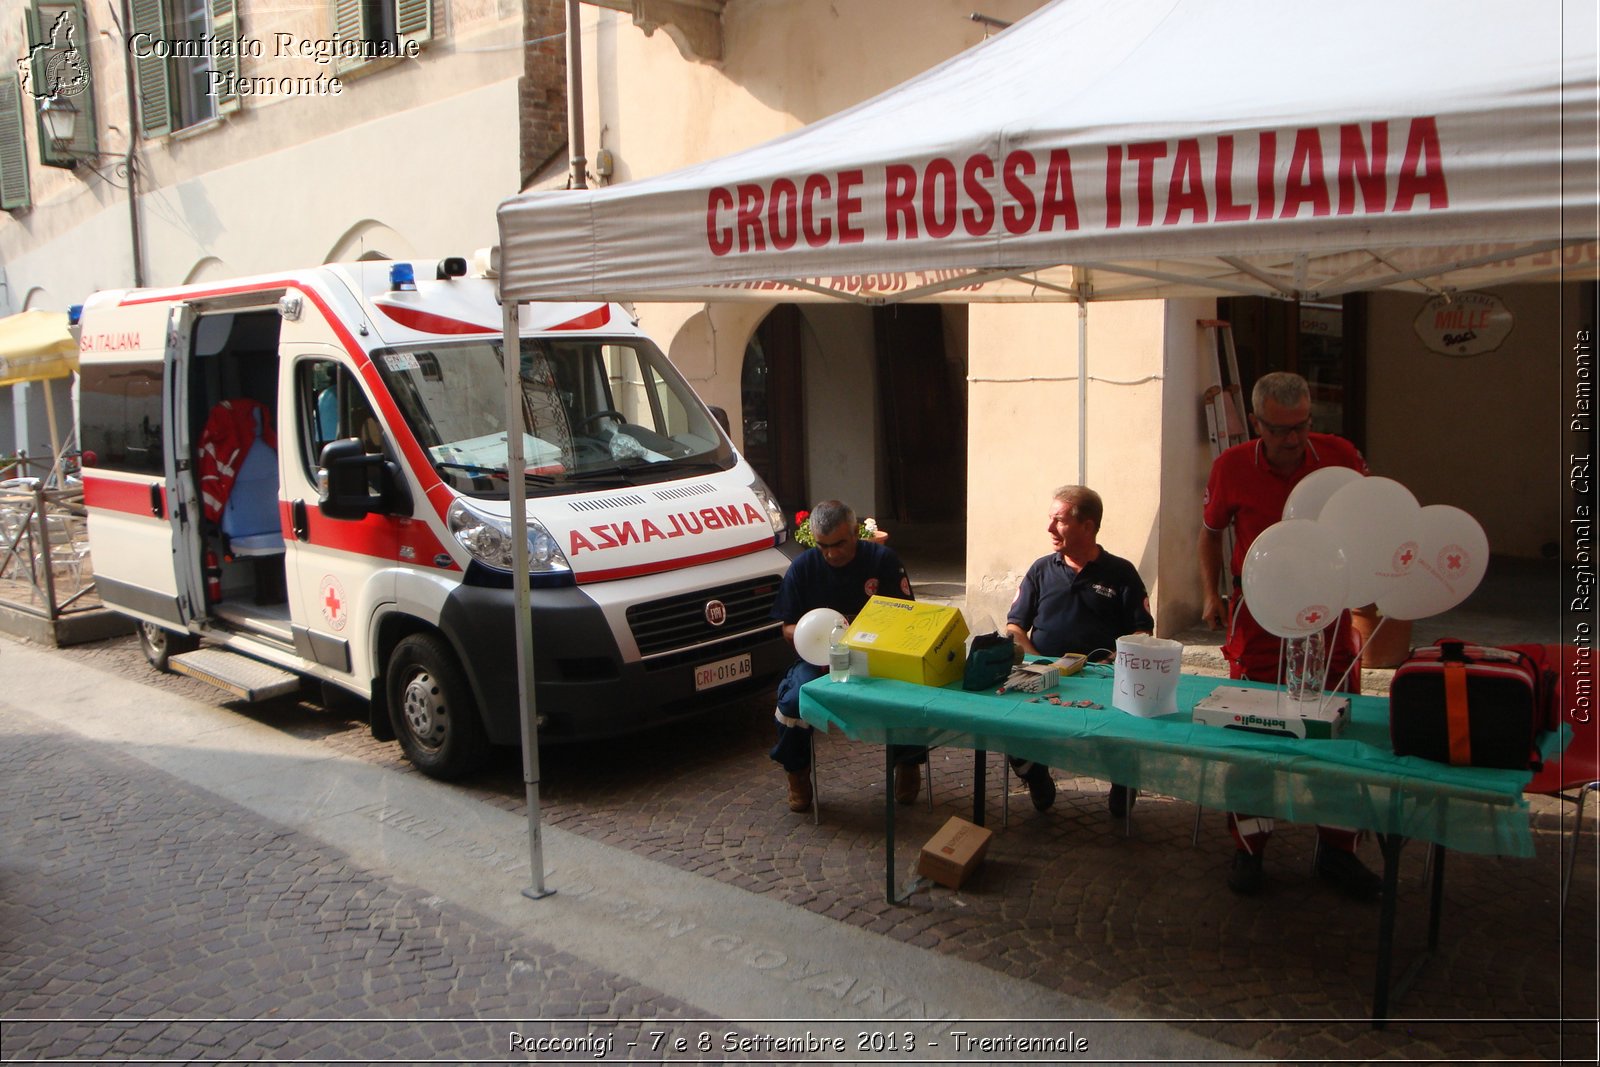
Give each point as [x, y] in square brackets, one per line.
[350, 480]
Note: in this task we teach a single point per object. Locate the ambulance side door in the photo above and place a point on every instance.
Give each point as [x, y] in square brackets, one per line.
[184, 511]
[340, 572]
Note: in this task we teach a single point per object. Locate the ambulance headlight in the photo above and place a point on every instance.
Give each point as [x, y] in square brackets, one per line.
[780, 525]
[488, 539]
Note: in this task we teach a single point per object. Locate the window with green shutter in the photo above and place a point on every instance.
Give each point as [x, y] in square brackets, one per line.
[58, 50]
[177, 91]
[370, 30]
[13, 146]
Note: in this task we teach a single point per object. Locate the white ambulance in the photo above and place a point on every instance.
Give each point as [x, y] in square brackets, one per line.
[308, 471]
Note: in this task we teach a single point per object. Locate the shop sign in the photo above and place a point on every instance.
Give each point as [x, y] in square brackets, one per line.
[1464, 324]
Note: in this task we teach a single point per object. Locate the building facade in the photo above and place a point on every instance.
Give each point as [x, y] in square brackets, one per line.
[218, 138]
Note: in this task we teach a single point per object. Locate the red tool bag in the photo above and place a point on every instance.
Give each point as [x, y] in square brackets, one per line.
[1469, 705]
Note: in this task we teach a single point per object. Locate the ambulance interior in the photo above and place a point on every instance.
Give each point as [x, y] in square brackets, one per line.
[233, 399]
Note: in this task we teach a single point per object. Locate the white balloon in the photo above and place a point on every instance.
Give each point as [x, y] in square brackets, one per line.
[811, 634]
[1451, 561]
[1378, 523]
[1296, 579]
[1311, 493]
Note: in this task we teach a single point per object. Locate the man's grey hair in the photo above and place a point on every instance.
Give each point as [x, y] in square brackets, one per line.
[1085, 503]
[828, 515]
[1284, 388]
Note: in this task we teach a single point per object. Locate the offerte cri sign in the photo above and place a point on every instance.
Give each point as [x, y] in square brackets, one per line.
[1463, 324]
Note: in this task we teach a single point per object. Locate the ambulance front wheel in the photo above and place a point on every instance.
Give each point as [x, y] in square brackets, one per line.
[431, 705]
[160, 644]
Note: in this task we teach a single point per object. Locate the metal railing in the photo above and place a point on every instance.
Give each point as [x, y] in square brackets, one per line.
[43, 547]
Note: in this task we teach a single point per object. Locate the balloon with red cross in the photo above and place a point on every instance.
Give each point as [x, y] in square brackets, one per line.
[1378, 523]
[1296, 578]
[1452, 555]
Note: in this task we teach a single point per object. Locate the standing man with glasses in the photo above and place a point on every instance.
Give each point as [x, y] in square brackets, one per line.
[1249, 486]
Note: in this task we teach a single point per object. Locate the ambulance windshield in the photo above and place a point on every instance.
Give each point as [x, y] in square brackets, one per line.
[594, 411]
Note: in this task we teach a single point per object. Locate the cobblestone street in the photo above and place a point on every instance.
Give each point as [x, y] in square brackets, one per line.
[145, 916]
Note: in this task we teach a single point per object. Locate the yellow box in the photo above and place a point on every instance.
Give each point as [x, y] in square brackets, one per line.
[922, 643]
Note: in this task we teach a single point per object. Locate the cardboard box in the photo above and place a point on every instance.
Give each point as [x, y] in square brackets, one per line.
[952, 853]
[921, 643]
[1235, 707]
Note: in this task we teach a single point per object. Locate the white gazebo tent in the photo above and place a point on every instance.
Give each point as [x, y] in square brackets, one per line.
[1127, 149]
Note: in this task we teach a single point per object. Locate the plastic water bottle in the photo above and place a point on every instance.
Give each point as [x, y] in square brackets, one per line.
[1307, 663]
[838, 654]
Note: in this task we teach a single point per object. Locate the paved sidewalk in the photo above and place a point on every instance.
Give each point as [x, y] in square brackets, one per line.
[186, 879]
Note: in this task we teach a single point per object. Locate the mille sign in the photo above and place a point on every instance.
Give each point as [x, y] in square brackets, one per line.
[1463, 324]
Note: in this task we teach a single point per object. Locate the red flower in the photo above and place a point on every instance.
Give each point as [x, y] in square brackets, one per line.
[801, 516]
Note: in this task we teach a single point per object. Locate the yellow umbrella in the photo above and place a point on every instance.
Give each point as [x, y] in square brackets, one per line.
[35, 346]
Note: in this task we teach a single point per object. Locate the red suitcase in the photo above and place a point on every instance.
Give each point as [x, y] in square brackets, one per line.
[1468, 705]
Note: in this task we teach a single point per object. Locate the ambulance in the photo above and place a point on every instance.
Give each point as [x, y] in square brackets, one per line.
[304, 476]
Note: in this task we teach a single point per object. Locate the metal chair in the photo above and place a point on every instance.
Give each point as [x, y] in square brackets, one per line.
[1573, 775]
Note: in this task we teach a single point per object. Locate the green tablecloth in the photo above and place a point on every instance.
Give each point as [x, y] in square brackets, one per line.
[1355, 780]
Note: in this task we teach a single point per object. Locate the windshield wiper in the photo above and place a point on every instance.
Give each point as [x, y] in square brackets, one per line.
[709, 465]
[473, 469]
[598, 474]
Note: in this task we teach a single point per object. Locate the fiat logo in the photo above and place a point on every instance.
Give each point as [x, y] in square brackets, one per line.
[716, 612]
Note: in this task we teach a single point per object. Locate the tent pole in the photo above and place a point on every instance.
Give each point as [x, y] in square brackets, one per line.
[54, 477]
[1083, 381]
[527, 708]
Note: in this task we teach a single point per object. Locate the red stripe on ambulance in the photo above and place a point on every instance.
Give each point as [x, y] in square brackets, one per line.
[674, 563]
[130, 498]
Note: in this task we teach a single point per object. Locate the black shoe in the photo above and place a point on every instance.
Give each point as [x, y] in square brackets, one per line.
[1120, 801]
[1246, 877]
[1041, 787]
[1346, 871]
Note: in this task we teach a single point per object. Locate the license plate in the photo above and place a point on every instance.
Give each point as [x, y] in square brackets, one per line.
[722, 672]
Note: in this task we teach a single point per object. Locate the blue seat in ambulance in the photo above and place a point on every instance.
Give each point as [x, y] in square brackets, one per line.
[250, 516]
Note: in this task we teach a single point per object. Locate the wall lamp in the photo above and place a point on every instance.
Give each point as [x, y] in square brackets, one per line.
[60, 117]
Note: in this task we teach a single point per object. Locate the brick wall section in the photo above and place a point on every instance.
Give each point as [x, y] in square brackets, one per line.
[542, 90]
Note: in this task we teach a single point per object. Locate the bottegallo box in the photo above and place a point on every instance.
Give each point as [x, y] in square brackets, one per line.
[921, 643]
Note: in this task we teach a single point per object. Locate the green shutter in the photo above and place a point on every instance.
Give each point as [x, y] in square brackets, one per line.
[413, 20]
[155, 91]
[225, 27]
[13, 146]
[349, 24]
[60, 67]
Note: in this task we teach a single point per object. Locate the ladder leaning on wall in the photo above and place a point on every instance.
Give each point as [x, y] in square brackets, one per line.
[1223, 404]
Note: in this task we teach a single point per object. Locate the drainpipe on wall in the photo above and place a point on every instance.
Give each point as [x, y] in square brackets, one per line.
[574, 98]
[134, 236]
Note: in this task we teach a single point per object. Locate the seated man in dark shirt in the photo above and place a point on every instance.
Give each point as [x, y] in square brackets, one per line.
[841, 572]
[1079, 598]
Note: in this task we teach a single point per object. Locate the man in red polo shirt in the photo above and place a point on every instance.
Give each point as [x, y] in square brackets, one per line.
[1249, 485]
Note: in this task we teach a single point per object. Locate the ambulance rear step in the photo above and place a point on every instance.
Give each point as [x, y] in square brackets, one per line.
[246, 678]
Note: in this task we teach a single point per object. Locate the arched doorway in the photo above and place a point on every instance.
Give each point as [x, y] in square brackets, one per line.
[772, 395]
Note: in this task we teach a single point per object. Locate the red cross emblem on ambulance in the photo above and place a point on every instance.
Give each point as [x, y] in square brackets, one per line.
[331, 602]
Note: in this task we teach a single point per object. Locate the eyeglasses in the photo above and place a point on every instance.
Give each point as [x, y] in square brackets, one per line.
[1283, 431]
[840, 543]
